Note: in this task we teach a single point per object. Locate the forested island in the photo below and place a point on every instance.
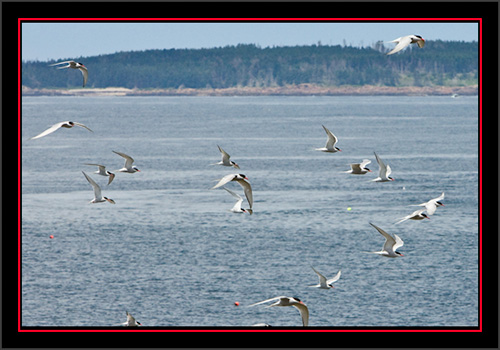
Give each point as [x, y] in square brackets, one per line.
[441, 67]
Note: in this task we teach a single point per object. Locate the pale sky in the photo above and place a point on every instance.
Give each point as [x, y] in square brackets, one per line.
[44, 41]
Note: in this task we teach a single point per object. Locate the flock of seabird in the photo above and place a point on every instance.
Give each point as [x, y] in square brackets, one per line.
[391, 243]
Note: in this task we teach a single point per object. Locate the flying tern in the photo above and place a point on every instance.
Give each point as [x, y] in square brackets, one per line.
[66, 124]
[225, 159]
[323, 282]
[330, 142]
[390, 245]
[128, 167]
[359, 168]
[290, 301]
[237, 206]
[432, 205]
[102, 171]
[384, 171]
[131, 322]
[98, 198]
[404, 41]
[416, 215]
[241, 179]
[75, 65]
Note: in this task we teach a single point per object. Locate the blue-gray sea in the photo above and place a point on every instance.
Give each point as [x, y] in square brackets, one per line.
[172, 254]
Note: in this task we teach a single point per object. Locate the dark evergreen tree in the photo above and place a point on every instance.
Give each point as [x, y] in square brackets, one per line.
[438, 63]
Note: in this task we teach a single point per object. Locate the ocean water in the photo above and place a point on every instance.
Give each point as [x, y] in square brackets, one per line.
[170, 252]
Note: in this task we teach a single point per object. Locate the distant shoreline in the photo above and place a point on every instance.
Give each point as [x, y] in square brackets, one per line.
[291, 90]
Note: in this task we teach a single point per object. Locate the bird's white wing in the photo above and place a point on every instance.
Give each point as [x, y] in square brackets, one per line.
[334, 279]
[237, 205]
[402, 43]
[332, 139]
[267, 300]
[248, 191]
[399, 242]
[224, 180]
[97, 189]
[395, 40]
[405, 218]
[48, 131]
[304, 313]
[389, 240]
[364, 163]
[128, 159]
[418, 205]
[388, 170]
[441, 197]
[130, 318]
[322, 279]
[381, 165]
[64, 62]
[235, 195]
[101, 167]
[85, 74]
[225, 155]
[83, 126]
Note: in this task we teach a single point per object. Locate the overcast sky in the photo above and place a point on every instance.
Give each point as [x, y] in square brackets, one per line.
[44, 41]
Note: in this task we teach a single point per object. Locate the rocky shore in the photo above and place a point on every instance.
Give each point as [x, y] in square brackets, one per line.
[291, 90]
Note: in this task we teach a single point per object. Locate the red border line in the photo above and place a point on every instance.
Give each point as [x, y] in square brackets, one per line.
[480, 175]
[218, 330]
[209, 20]
[19, 96]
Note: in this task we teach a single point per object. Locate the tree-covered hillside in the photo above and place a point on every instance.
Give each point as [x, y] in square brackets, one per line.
[438, 63]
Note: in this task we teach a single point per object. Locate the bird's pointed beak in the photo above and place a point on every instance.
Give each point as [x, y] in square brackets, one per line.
[110, 200]
[236, 166]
